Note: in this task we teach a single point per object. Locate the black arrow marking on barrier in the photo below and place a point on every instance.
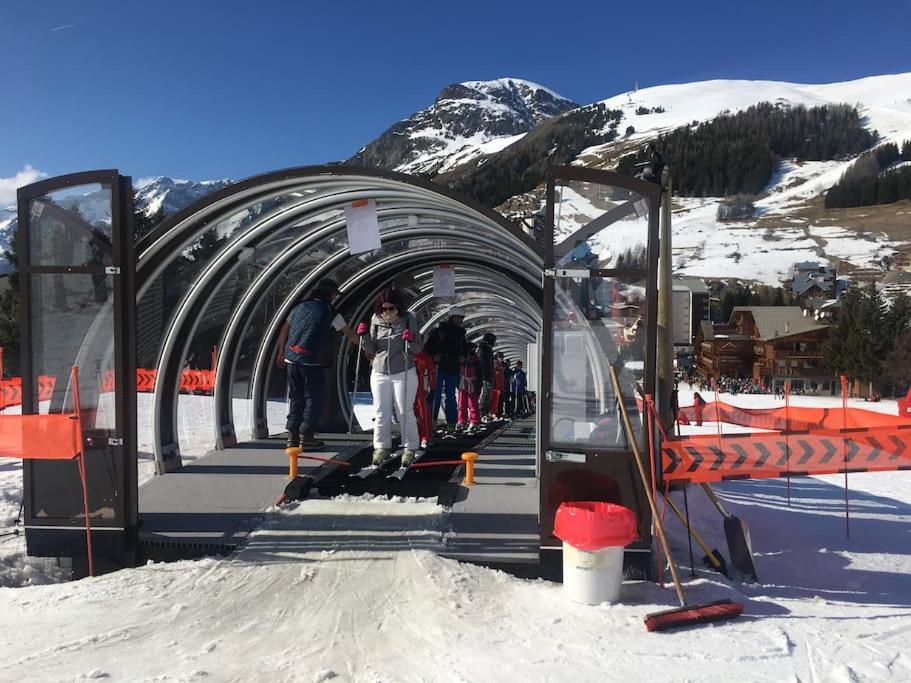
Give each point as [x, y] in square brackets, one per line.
[675, 460]
[697, 459]
[877, 449]
[764, 454]
[853, 448]
[900, 447]
[831, 450]
[807, 452]
[719, 458]
[742, 456]
[785, 453]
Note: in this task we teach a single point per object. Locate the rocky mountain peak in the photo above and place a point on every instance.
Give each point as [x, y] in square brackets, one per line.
[466, 121]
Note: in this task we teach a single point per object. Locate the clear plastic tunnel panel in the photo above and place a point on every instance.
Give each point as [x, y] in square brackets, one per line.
[600, 241]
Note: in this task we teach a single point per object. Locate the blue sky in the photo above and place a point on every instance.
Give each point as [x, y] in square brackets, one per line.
[229, 89]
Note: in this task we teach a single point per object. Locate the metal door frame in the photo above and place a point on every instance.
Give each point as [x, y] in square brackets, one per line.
[52, 536]
[652, 194]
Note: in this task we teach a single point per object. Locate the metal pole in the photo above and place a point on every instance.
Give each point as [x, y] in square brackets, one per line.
[665, 339]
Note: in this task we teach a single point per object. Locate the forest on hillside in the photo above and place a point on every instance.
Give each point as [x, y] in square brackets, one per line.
[522, 166]
[870, 180]
[738, 153]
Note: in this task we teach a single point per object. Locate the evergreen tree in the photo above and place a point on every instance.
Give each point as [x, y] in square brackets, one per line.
[898, 363]
[875, 341]
[842, 348]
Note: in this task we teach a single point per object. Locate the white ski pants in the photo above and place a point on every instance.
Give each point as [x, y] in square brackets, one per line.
[400, 390]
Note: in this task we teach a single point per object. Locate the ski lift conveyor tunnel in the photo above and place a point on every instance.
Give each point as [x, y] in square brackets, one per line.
[277, 234]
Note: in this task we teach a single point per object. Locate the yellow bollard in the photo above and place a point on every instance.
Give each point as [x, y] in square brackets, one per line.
[292, 452]
[470, 458]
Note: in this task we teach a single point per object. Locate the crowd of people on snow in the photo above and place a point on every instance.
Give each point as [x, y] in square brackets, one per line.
[474, 383]
[737, 385]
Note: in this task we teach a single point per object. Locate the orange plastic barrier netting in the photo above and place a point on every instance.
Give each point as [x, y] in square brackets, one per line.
[199, 381]
[11, 390]
[40, 437]
[792, 418]
[707, 458]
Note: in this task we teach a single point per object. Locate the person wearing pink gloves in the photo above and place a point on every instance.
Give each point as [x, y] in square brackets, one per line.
[393, 338]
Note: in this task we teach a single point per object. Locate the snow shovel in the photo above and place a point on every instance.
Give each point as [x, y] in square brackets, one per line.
[686, 614]
[738, 535]
[712, 557]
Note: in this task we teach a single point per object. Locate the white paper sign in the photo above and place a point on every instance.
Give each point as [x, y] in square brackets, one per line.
[443, 281]
[363, 226]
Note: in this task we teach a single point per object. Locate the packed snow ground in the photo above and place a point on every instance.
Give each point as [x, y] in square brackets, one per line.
[352, 590]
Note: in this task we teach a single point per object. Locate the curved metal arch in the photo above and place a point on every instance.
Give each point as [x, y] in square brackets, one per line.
[176, 232]
[480, 287]
[239, 322]
[328, 196]
[524, 325]
[324, 188]
[419, 258]
[189, 312]
[191, 307]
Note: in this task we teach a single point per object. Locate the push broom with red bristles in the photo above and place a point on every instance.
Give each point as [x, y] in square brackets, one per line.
[685, 615]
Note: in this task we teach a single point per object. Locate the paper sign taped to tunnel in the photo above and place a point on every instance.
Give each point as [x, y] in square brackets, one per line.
[443, 281]
[363, 226]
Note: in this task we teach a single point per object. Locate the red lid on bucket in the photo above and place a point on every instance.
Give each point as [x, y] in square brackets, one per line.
[592, 525]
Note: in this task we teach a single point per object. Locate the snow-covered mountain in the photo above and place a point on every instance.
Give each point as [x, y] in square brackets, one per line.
[476, 123]
[452, 140]
[172, 195]
[467, 120]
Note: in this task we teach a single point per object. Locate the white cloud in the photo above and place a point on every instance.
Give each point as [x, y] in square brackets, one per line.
[24, 177]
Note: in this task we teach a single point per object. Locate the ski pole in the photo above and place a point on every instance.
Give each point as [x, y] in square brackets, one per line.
[405, 392]
[357, 371]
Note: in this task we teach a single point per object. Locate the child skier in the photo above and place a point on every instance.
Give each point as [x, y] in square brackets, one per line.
[469, 390]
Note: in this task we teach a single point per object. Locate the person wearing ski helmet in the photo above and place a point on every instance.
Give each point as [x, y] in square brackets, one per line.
[392, 338]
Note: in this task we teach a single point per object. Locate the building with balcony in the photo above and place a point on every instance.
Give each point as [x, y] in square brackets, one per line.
[771, 345]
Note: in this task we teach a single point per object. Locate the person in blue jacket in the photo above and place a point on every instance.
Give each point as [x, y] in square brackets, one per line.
[519, 386]
[305, 351]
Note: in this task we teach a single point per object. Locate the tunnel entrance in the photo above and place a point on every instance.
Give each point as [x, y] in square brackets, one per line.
[215, 282]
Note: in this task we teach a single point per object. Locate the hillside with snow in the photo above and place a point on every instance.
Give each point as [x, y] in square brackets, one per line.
[788, 225]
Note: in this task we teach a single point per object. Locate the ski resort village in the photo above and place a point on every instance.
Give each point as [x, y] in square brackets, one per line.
[320, 361]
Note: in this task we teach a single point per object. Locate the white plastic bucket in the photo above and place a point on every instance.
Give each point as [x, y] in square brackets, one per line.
[592, 577]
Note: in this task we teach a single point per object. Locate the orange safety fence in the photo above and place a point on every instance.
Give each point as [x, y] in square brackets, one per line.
[39, 437]
[200, 381]
[791, 418]
[51, 437]
[708, 458]
[11, 390]
[803, 441]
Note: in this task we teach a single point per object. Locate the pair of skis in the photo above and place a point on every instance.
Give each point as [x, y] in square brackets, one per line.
[372, 470]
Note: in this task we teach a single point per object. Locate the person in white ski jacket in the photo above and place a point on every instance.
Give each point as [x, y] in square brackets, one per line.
[393, 379]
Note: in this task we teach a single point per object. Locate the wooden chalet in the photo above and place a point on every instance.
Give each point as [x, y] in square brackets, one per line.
[769, 344]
